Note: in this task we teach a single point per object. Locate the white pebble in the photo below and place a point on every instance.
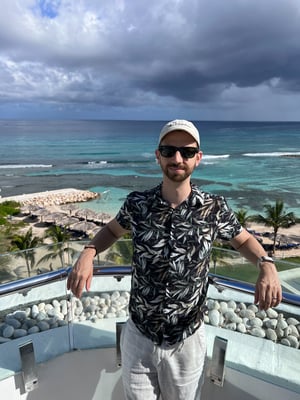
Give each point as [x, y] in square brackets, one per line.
[293, 341]
[214, 317]
[231, 326]
[33, 329]
[271, 334]
[294, 331]
[20, 333]
[270, 323]
[231, 304]
[257, 331]
[253, 308]
[41, 306]
[8, 331]
[115, 295]
[241, 328]
[285, 342]
[272, 313]
[292, 321]
[34, 311]
[43, 325]
[255, 322]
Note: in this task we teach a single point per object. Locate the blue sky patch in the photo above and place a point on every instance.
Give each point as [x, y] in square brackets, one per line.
[48, 8]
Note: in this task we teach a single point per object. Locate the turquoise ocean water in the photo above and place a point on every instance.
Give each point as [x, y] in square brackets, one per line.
[251, 163]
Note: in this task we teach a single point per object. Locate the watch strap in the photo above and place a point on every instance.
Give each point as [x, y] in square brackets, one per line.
[263, 259]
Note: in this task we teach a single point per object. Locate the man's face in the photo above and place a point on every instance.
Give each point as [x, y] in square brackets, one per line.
[178, 168]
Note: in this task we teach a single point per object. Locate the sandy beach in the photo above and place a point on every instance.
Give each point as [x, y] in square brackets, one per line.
[285, 236]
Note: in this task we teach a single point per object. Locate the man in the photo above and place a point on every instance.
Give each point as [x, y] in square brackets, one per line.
[173, 228]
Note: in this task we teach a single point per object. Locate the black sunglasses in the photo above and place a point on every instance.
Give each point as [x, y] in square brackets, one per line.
[170, 151]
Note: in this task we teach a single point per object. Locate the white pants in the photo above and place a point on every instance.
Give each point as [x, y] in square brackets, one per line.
[173, 372]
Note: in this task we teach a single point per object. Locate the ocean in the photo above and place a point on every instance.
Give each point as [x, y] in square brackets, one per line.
[250, 163]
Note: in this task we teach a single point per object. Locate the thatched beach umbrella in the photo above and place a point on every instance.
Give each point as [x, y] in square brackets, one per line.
[67, 221]
[38, 211]
[83, 226]
[54, 217]
[71, 208]
[103, 218]
[85, 213]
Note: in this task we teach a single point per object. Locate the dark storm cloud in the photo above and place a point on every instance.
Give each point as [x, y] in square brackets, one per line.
[136, 53]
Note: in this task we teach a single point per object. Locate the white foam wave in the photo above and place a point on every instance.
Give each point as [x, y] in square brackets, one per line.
[147, 155]
[97, 164]
[215, 156]
[92, 163]
[19, 166]
[273, 154]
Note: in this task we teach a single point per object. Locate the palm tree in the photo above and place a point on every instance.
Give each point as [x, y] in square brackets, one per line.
[60, 237]
[122, 250]
[5, 274]
[218, 253]
[242, 217]
[26, 243]
[276, 217]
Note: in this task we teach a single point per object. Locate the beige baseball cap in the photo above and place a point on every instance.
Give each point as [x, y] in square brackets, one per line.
[180, 125]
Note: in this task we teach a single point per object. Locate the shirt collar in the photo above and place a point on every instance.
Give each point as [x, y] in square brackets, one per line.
[196, 197]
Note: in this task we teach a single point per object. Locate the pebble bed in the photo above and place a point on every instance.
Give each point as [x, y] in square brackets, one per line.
[240, 317]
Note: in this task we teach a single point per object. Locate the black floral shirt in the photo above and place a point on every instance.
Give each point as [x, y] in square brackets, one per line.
[171, 259]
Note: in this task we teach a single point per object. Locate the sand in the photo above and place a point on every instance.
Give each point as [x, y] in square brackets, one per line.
[287, 235]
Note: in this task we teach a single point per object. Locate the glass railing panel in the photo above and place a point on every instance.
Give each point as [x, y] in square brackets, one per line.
[42, 259]
[231, 264]
[261, 344]
[97, 312]
[33, 309]
[27, 263]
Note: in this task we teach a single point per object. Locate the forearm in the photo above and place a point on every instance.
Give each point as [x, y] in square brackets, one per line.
[102, 240]
[251, 249]
[248, 246]
[82, 272]
[268, 290]
[107, 236]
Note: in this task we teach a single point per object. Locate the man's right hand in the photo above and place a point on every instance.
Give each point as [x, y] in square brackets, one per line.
[82, 273]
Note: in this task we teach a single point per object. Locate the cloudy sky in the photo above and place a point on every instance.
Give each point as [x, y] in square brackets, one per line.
[158, 59]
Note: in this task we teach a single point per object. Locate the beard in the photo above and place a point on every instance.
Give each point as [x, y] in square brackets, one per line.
[177, 172]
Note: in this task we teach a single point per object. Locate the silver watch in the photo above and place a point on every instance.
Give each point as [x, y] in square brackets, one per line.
[265, 259]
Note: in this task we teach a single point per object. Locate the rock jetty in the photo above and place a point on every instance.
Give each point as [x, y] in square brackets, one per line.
[53, 197]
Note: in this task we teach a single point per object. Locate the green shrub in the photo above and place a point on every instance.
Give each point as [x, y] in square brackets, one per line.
[9, 208]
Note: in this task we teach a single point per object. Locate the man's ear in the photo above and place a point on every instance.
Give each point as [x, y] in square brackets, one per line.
[157, 155]
[199, 158]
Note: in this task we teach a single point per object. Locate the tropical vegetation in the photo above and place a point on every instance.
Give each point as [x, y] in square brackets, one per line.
[60, 238]
[275, 217]
[243, 217]
[121, 251]
[27, 244]
[7, 209]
